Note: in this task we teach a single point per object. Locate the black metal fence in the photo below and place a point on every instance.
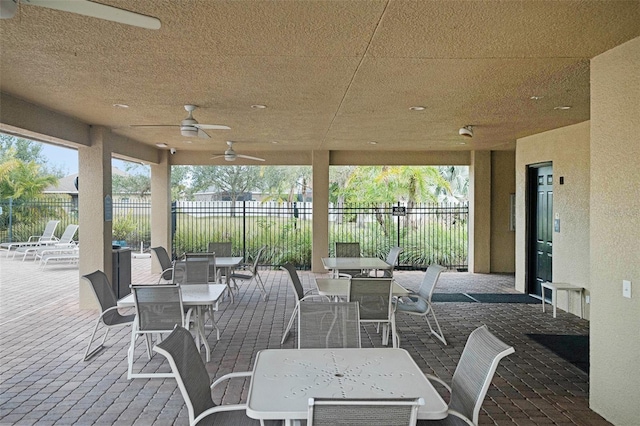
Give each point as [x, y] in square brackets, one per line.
[428, 233]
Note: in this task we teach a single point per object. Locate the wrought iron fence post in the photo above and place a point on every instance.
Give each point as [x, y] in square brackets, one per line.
[10, 219]
[398, 233]
[244, 229]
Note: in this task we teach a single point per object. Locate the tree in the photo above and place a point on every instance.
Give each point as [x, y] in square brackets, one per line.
[233, 180]
[21, 177]
[26, 151]
[286, 183]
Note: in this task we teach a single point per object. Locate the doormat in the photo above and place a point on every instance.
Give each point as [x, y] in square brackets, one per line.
[483, 298]
[450, 297]
[504, 298]
[570, 347]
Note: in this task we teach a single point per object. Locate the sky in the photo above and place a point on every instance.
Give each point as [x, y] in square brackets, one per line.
[66, 159]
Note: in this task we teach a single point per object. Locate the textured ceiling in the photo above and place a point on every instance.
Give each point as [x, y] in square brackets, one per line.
[334, 75]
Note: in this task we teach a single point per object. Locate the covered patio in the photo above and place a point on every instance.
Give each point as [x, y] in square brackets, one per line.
[44, 334]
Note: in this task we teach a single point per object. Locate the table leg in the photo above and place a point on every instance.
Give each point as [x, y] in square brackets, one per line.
[554, 300]
[200, 326]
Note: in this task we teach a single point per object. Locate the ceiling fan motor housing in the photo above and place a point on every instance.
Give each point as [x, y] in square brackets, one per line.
[189, 131]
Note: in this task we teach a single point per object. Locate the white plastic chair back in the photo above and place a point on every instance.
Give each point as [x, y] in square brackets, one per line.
[328, 324]
[476, 367]
[363, 412]
[159, 307]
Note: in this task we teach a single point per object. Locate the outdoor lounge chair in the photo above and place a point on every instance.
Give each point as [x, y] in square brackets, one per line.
[34, 240]
[68, 255]
[472, 377]
[363, 412]
[64, 242]
[109, 315]
[193, 381]
[420, 303]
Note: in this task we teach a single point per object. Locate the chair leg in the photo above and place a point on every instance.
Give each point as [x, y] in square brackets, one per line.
[285, 335]
[265, 296]
[88, 355]
[439, 334]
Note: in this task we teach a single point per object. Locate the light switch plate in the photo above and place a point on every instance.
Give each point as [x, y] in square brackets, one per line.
[626, 289]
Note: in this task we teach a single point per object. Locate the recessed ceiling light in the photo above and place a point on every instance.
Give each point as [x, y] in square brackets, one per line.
[372, 143]
[417, 108]
[258, 106]
[121, 105]
[188, 141]
[162, 145]
[536, 98]
[275, 142]
[562, 107]
[462, 143]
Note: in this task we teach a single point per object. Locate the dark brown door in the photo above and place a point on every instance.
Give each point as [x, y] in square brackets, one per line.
[540, 227]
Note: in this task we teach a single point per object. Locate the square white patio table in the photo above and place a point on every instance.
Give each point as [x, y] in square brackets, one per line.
[339, 287]
[198, 296]
[369, 263]
[226, 263]
[284, 380]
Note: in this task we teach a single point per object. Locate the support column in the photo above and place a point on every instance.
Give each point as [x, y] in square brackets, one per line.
[320, 238]
[94, 211]
[480, 212]
[160, 207]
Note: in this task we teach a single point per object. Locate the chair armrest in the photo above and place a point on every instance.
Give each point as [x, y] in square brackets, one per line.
[218, 409]
[231, 376]
[315, 296]
[438, 380]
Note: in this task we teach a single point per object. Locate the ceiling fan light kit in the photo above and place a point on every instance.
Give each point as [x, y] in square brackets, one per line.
[230, 154]
[466, 131]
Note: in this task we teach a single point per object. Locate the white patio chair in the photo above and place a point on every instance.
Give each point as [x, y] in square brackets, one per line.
[375, 296]
[158, 310]
[109, 315]
[193, 381]
[294, 280]
[221, 249]
[420, 303]
[250, 272]
[326, 324]
[392, 259]
[348, 249]
[473, 375]
[363, 412]
[34, 240]
[165, 262]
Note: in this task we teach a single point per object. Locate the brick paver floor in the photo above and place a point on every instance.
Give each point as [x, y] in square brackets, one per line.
[43, 334]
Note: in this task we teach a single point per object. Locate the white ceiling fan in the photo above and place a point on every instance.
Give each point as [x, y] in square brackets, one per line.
[230, 154]
[190, 127]
[8, 9]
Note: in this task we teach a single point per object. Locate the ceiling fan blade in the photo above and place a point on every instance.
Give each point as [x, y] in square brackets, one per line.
[154, 125]
[202, 134]
[100, 11]
[248, 157]
[217, 156]
[213, 127]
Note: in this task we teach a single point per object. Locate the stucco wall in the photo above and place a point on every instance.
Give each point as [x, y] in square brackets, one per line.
[568, 149]
[503, 184]
[615, 234]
